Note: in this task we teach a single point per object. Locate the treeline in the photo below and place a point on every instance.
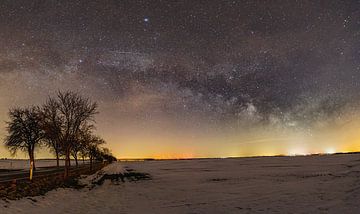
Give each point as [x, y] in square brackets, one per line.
[64, 124]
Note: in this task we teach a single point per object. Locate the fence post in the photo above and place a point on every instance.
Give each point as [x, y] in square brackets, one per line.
[31, 169]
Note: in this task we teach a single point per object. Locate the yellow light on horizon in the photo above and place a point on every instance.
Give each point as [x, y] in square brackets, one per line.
[298, 151]
[330, 150]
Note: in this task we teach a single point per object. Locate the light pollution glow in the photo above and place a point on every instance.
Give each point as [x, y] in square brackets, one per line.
[131, 134]
[170, 141]
[256, 143]
[159, 145]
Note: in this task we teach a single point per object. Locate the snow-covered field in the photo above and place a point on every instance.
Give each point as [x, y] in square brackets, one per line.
[24, 164]
[311, 184]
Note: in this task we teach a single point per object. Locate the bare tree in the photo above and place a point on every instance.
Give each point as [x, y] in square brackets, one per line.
[79, 143]
[74, 112]
[24, 132]
[51, 124]
[83, 140]
[74, 153]
[83, 152]
[93, 148]
[107, 155]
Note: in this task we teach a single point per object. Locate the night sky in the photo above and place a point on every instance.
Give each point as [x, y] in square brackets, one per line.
[192, 78]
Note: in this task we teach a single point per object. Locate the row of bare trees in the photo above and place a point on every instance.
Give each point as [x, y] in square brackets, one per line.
[64, 124]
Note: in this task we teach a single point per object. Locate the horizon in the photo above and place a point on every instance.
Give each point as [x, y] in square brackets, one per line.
[195, 158]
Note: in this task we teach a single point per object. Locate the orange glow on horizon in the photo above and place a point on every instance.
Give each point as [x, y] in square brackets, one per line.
[157, 143]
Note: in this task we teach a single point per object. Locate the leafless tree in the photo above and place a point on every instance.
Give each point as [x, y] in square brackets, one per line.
[24, 131]
[83, 152]
[80, 142]
[83, 141]
[93, 148]
[107, 155]
[74, 111]
[51, 124]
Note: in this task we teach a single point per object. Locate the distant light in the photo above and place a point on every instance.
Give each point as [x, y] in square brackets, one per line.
[330, 151]
[297, 151]
[146, 19]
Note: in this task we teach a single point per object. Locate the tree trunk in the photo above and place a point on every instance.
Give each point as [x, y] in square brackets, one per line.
[83, 158]
[91, 159]
[67, 163]
[32, 159]
[57, 159]
[76, 161]
[32, 163]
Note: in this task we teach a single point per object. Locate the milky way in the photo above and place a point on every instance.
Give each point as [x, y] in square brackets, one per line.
[187, 70]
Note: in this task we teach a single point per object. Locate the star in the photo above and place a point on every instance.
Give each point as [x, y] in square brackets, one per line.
[186, 62]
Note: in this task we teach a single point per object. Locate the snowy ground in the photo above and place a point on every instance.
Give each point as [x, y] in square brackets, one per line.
[24, 164]
[312, 184]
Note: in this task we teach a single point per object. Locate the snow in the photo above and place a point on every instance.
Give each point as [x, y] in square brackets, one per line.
[308, 184]
[107, 170]
[113, 169]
